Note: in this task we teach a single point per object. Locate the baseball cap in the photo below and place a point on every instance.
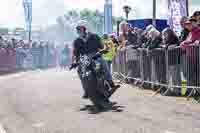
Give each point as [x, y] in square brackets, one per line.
[197, 13]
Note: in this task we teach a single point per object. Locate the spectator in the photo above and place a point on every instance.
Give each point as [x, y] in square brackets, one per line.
[158, 58]
[193, 21]
[114, 39]
[20, 44]
[131, 37]
[193, 36]
[192, 56]
[149, 28]
[14, 42]
[140, 38]
[1, 41]
[105, 36]
[42, 54]
[154, 39]
[185, 32]
[169, 37]
[110, 47]
[196, 16]
[128, 36]
[65, 57]
[36, 55]
[20, 55]
[145, 38]
[170, 40]
[123, 37]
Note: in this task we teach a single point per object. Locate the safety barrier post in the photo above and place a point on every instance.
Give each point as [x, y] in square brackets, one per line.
[167, 71]
[141, 67]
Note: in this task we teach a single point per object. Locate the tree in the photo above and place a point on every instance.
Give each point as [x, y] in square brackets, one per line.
[71, 15]
[3, 31]
[95, 21]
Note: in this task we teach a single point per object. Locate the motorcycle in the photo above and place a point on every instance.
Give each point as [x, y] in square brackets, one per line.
[91, 74]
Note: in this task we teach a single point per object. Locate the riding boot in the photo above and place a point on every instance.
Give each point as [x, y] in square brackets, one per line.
[113, 86]
[85, 96]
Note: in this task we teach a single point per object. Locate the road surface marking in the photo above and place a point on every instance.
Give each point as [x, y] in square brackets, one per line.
[38, 125]
[2, 130]
[169, 132]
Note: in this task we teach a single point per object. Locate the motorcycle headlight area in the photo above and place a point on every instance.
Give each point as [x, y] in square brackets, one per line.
[85, 63]
[85, 60]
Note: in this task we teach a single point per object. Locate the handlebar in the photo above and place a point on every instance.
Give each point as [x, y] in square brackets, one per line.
[73, 66]
[95, 56]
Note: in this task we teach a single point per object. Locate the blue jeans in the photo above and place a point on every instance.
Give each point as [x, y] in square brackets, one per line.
[109, 65]
[104, 64]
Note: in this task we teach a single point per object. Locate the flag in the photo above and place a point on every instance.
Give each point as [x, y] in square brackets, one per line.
[108, 17]
[177, 9]
[27, 4]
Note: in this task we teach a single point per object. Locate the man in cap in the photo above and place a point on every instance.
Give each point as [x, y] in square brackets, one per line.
[184, 32]
[194, 34]
[196, 16]
[192, 55]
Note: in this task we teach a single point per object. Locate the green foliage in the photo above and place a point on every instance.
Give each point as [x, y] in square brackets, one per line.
[3, 31]
[95, 21]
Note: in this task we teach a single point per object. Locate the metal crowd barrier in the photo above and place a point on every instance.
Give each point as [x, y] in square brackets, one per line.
[172, 70]
[26, 59]
[7, 59]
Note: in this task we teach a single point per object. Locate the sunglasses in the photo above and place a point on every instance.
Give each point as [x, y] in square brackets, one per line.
[80, 28]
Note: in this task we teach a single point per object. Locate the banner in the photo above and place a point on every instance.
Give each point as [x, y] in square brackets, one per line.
[27, 4]
[108, 17]
[177, 9]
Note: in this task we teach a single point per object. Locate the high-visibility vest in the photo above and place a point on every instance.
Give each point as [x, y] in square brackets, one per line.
[111, 50]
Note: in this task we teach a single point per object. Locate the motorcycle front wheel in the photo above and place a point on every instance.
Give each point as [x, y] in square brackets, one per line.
[90, 84]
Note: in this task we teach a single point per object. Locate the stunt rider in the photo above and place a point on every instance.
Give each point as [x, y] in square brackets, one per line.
[90, 43]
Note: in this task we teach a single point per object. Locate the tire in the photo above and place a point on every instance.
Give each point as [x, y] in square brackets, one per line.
[90, 86]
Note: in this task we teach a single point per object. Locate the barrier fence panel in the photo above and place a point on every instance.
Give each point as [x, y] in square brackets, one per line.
[133, 64]
[145, 65]
[158, 65]
[27, 58]
[175, 69]
[7, 60]
[191, 57]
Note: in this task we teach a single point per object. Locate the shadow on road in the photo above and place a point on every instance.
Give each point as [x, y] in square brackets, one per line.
[93, 110]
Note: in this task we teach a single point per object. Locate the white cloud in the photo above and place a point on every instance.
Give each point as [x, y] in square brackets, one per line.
[11, 12]
[46, 11]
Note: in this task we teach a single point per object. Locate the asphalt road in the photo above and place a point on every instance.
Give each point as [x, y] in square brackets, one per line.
[50, 102]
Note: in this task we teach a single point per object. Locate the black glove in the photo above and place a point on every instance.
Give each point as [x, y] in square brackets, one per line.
[73, 65]
[104, 52]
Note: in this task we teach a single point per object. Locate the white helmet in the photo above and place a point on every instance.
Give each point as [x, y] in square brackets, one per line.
[82, 23]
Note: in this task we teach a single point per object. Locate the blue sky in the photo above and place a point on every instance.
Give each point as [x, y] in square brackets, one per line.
[45, 11]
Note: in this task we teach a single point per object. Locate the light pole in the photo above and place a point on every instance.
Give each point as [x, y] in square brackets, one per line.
[108, 16]
[27, 4]
[154, 13]
[127, 10]
[187, 7]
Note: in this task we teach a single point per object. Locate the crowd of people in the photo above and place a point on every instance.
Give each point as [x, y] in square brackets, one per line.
[151, 39]
[27, 55]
